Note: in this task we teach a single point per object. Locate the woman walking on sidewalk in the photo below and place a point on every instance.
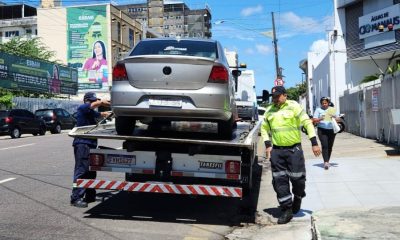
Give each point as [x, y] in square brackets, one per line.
[323, 117]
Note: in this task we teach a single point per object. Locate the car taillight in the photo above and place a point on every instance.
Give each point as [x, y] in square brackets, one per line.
[219, 74]
[9, 120]
[232, 167]
[96, 159]
[119, 72]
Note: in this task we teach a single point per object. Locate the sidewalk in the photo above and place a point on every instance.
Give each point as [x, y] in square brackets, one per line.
[357, 198]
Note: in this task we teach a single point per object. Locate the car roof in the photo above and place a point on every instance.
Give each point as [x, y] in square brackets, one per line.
[180, 39]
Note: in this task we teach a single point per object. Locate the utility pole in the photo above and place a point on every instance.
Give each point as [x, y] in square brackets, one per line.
[278, 69]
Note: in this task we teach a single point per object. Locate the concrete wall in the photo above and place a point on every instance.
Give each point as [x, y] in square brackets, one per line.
[52, 29]
[362, 120]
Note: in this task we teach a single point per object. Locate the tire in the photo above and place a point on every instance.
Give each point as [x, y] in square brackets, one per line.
[125, 125]
[225, 128]
[15, 133]
[56, 129]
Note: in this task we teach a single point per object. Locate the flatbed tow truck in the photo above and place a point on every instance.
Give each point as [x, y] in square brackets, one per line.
[185, 158]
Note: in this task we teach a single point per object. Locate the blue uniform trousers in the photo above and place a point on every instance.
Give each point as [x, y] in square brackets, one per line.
[81, 170]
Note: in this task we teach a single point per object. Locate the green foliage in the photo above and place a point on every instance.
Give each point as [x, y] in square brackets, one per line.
[295, 92]
[5, 98]
[370, 78]
[31, 48]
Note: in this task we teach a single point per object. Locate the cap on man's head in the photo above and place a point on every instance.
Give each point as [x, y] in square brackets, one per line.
[90, 96]
[278, 90]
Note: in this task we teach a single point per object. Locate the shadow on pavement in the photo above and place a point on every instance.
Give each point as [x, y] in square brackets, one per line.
[177, 208]
[321, 165]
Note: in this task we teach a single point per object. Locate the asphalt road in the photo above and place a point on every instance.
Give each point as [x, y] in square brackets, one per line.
[35, 186]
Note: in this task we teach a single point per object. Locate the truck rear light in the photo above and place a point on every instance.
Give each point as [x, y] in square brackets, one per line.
[9, 120]
[232, 167]
[119, 72]
[96, 159]
[219, 74]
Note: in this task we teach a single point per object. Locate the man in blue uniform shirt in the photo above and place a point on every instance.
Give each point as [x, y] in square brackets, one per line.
[86, 115]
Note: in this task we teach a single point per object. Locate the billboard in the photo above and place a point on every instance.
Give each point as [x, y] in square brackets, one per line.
[87, 45]
[33, 75]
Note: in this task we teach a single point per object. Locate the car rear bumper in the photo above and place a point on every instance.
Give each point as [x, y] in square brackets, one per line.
[209, 103]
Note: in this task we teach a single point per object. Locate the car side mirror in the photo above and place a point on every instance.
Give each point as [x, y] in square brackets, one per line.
[264, 97]
[236, 72]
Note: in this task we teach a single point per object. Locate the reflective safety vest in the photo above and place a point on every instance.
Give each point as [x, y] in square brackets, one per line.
[283, 124]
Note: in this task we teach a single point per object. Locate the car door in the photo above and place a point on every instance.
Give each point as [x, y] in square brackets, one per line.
[32, 122]
[69, 120]
[60, 117]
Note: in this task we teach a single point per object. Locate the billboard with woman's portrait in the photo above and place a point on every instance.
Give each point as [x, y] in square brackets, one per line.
[87, 46]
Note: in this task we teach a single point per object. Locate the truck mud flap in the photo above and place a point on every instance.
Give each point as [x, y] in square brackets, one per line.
[157, 187]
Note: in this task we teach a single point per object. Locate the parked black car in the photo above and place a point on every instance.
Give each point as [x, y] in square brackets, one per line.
[19, 121]
[56, 119]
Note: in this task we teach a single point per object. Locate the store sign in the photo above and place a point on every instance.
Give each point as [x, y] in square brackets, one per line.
[368, 24]
[35, 75]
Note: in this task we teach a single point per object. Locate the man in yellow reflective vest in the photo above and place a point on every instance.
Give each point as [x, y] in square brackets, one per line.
[282, 121]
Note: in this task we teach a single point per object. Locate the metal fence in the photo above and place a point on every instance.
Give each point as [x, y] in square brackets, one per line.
[368, 109]
[33, 104]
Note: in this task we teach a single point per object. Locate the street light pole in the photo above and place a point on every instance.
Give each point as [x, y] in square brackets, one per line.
[278, 70]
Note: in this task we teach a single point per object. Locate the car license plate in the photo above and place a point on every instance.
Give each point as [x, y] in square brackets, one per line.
[121, 159]
[165, 102]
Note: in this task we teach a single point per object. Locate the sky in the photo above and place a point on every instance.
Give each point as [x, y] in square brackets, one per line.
[301, 26]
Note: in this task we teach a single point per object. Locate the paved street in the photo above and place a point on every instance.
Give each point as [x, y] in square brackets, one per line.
[346, 201]
[36, 173]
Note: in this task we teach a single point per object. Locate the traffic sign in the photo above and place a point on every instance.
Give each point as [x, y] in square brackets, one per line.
[279, 82]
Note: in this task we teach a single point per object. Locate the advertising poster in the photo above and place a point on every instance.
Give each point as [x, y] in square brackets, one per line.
[36, 76]
[87, 46]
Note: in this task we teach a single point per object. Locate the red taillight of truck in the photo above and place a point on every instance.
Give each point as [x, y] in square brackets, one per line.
[96, 159]
[232, 167]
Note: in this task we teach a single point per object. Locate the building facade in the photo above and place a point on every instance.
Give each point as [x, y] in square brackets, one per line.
[171, 18]
[17, 21]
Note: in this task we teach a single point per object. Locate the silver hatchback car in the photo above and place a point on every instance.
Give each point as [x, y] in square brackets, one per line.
[166, 79]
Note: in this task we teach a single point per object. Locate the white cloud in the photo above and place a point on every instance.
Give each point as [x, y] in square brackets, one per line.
[263, 49]
[319, 46]
[296, 25]
[249, 51]
[251, 10]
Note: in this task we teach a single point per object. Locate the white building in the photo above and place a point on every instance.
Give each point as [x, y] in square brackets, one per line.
[17, 21]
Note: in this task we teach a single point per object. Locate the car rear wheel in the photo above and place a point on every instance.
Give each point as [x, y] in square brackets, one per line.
[56, 129]
[225, 128]
[125, 125]
[15, 133]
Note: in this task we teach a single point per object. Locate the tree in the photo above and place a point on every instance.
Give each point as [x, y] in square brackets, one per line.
[31, 48]
[295, 92]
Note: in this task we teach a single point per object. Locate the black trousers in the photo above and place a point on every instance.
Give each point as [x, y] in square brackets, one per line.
[327, 138]
[288, 165]
[81, 170]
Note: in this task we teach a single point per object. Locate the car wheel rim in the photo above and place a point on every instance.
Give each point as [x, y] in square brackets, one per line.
[58, 128]
[16, 132]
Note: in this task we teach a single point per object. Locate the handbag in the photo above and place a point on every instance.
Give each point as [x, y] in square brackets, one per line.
[335, 125]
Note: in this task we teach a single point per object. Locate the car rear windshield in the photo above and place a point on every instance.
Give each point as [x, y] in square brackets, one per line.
[175, 47]
[44, 113]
